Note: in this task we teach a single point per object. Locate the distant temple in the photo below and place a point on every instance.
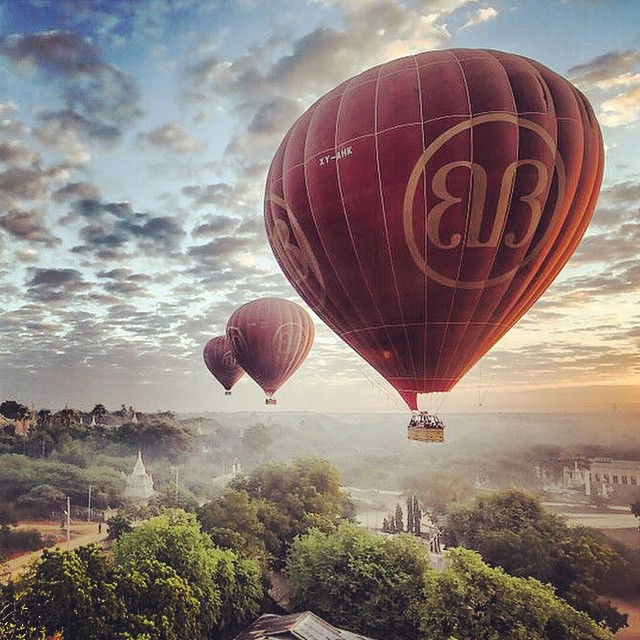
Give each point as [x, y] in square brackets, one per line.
[139, 483]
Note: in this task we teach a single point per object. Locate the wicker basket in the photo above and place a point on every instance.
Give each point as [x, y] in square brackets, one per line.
[425, 434]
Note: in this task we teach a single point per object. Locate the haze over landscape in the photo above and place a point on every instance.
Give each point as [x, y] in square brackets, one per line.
[134, 143]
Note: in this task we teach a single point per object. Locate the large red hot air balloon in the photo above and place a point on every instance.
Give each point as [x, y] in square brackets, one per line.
[219, 358]
[422, 207]
[270, 337]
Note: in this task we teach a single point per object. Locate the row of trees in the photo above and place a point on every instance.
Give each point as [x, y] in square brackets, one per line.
[394, 522]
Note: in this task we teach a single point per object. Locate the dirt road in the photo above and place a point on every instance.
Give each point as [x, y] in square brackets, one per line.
[82, 533]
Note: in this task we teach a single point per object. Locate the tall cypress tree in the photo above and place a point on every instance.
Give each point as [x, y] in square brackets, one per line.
[399, 523]
[410, 516]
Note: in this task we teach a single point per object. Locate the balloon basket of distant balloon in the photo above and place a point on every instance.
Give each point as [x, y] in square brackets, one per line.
[227, 393]
[424, 427]
[270, 401]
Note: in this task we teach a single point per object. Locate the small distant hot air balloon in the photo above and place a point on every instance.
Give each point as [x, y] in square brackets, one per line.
[219, 358]
[270, 338]
[423, 206]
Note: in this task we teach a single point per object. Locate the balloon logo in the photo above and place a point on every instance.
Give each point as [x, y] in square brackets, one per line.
[423, 206]
[220, 361]
[270, 338]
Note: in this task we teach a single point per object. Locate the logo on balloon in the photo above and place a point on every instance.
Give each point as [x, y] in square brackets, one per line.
[474, 234]
[292, 249]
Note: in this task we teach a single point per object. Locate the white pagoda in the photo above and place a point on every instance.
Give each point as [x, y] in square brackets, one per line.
[139, 483]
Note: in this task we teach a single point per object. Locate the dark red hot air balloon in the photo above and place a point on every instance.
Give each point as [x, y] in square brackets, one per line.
[423, 206]
[270, 337]
[219, 358]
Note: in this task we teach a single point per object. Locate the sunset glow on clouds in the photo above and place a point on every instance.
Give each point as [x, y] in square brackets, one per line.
[134, 143]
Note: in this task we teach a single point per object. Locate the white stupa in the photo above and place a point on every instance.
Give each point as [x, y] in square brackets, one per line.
[139, 483]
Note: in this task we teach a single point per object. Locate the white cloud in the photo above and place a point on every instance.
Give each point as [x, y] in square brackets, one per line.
[622, 109]
[480, 16]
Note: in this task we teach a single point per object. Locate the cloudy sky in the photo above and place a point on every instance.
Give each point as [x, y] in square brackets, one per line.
[135, 137]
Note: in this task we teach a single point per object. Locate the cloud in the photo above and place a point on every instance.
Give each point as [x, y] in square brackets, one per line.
[8, 124]
[216, 225]
[76, 190]
[64, 131]
[480, 16]
[606, 71]
[114, 229]
[173, 138]
[26, 183]
[48, 285]
[611, 72]
[99, 99]
[622, 109]
[124, 282]
[15, 154]
[268, 88]
[28, 226]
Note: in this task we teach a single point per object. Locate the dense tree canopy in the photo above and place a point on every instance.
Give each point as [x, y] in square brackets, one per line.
[384, 587]
[364, 583]
[472, 600]
[73, 592]
[228, 588]
[13, 410]
[233, 521]
[511, 530]
[274, 504]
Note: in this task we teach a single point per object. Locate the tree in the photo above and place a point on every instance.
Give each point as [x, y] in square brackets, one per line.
[99, 411]
[169, 497]
[256, 438]
[440, 489]
[164, 603]
[232, 520]
[358, 581]
[13, 410]
[228, 588]
[84, 596]
[399, 524]
[117, 526]
[511, 530]
[414, 515]
[471, 600]
[66, 416]
[293, 498]
[72, 592]
[635, 509]
[43, 419]
[410, 514]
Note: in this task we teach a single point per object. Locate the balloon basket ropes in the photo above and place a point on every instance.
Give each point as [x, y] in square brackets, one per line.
[425, 428]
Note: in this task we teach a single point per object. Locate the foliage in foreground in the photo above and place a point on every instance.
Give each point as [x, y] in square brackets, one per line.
[165, 581]
[512, 530]
[469, 599]
[383, 587]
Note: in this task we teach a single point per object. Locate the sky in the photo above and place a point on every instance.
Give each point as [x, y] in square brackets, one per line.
[135, 138]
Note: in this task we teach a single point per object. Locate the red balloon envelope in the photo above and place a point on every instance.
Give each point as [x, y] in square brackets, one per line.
[219, 358]
[270, 337]
[421, 207]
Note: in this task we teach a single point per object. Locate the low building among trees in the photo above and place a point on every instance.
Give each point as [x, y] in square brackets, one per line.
[296, 626]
